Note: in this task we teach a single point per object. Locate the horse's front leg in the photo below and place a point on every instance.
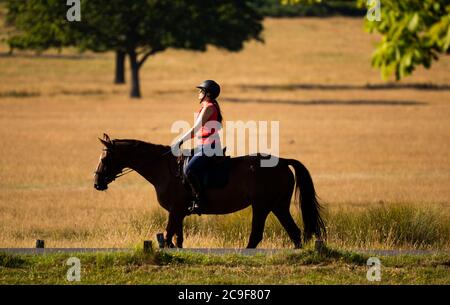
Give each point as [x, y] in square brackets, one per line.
[174, 226]
[179, 231]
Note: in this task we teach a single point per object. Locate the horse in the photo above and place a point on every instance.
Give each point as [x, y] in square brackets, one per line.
[266, 189]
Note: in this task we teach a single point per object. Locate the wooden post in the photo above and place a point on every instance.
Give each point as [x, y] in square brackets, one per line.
[148, 247]
[160, 239]
[40, 243]
[319, 246]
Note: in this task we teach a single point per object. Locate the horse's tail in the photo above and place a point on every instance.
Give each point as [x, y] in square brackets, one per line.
[309, 204]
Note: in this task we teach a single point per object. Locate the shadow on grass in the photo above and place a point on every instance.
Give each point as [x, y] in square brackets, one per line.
[46, 56]
[357, 102]
[332, 87]
[19, 94]
[83, 92]
[31, 94]
[11, 261]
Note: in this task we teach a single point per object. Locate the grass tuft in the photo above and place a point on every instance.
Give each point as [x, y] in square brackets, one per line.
[392, 225]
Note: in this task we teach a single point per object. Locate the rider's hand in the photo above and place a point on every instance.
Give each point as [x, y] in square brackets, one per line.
[176, 147]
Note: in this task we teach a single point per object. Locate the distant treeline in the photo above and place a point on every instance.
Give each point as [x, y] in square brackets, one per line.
[274, 8]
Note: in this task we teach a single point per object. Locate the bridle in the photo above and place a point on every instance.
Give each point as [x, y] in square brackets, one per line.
[109, 179]
[124, 171]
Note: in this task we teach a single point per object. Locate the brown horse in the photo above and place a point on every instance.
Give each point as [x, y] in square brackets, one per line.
[267, 189]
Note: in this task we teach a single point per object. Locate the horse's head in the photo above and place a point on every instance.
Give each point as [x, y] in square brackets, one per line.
[109, 165]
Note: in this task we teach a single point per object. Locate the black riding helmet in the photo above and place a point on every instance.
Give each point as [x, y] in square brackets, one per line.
[211, 88]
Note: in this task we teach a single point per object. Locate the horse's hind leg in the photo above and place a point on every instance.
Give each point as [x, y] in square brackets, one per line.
[258, 221]
[284, 216]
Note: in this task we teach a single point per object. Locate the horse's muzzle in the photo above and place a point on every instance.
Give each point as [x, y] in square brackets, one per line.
[99, 187]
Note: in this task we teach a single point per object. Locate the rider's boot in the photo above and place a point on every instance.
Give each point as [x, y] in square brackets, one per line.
[198, 200]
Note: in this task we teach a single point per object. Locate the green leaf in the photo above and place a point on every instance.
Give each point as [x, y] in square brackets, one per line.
[413, 23]
[436, 6]
[407, 59]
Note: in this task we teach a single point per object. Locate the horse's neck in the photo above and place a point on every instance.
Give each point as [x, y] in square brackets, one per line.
[148, 161]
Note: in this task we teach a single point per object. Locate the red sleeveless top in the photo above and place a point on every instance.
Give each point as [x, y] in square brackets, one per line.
[208, 133]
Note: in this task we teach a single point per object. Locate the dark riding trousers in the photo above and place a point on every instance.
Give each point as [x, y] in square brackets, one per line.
[200, 160]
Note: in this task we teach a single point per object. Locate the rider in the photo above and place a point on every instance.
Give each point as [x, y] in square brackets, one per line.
[207, 123]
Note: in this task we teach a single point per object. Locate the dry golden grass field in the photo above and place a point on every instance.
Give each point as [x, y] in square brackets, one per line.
[365, 148]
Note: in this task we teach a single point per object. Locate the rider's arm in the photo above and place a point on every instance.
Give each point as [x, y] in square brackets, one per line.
[202, 118]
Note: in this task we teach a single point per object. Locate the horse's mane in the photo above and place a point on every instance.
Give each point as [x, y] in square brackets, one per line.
[141, 145]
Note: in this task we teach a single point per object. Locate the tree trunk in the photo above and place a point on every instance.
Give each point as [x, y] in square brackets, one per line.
[120, 68]
[134, 65]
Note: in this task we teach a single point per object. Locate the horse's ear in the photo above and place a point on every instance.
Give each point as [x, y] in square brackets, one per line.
[106, 143]
[106, 138]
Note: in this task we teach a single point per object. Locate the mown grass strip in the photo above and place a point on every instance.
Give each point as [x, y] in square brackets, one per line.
[302, 267]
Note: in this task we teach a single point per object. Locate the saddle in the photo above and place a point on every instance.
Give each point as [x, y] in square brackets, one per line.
[216, 174]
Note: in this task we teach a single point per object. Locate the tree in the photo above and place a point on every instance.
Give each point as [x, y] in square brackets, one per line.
[119, 74]
[142, 28]
[41, 25]
[414, 33]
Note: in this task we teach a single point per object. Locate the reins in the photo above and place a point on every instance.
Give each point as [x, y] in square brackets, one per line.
[124, 172]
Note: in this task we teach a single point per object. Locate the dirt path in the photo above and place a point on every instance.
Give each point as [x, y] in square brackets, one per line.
[212, 251]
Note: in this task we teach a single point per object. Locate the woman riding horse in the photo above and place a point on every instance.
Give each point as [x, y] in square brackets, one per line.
[265, 189]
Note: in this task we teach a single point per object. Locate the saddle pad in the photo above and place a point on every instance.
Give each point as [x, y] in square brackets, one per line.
[216, 173]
